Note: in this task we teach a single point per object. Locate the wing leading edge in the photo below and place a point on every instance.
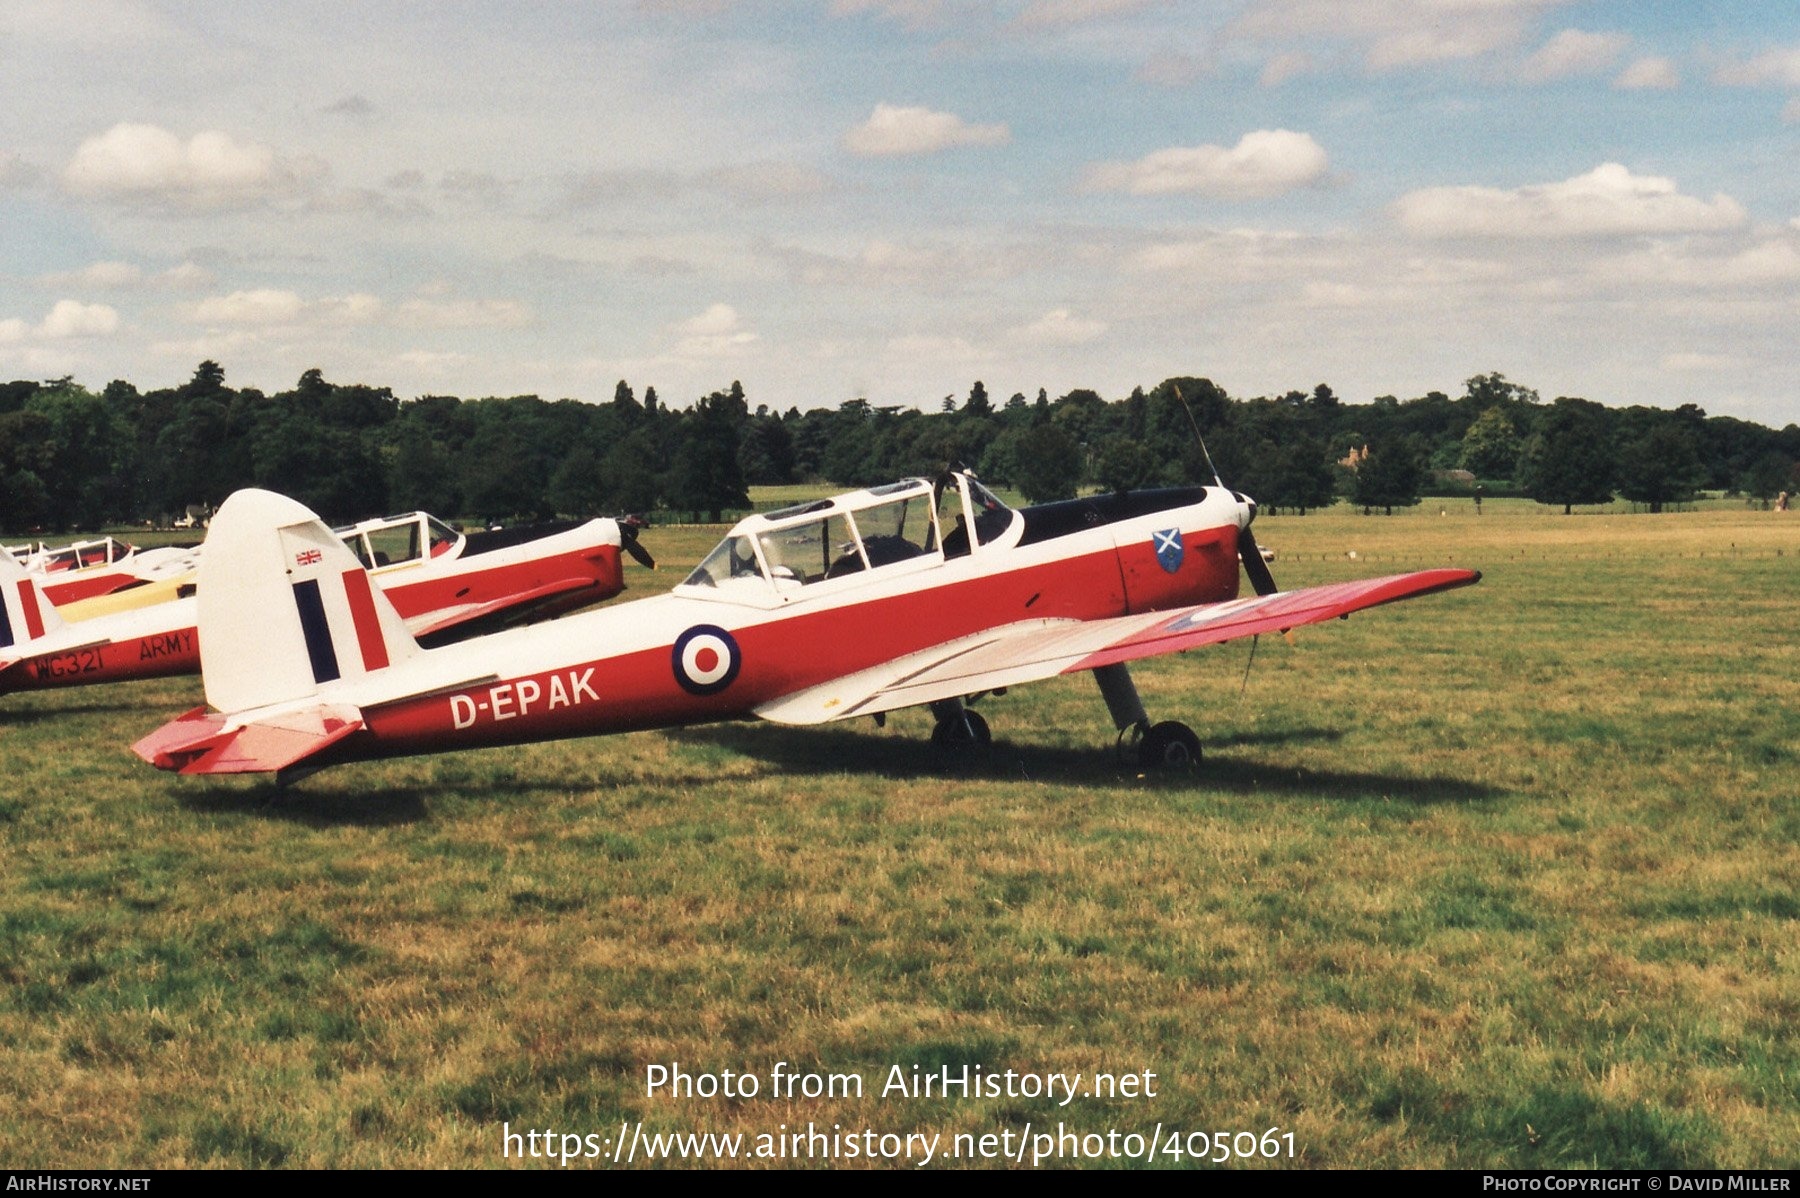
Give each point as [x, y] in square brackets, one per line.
[1034, 649]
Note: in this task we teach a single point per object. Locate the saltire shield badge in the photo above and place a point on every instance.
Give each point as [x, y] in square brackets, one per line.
[1169, 549]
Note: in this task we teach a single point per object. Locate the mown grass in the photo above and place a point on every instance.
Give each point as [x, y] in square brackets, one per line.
[1504, 877]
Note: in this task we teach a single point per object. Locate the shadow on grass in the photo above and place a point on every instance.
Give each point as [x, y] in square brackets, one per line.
[300, 803]
[19, 717]
[346, 798]
[842, 751]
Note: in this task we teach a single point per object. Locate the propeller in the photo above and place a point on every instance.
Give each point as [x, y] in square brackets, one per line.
[629, 527]
[1249, 552]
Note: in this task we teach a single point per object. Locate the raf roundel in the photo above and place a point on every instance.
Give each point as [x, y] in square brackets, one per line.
[706, 659]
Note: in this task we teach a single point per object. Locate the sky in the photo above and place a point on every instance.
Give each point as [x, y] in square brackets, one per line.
[889, 199]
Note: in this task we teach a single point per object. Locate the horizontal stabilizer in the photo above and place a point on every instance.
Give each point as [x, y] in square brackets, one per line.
[203, 742]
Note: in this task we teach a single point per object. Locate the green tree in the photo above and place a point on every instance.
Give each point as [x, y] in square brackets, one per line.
[1568, 458]
[1049, 464]
[705, 476]
[1660, 467]
[1490, 449]
[1768, 476]
[1122, 464]
[978, 404]
[420, 474]
[1390, 476]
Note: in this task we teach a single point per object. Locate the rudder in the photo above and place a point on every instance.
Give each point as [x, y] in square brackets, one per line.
[285, 608]
[26, 613]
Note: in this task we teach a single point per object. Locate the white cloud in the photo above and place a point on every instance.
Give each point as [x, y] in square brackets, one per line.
[929, 348]
[1396, 33]
[1779, 67]
[714, 333]
[126, 276]
[1607, 201]
[71, 318]
[67, 319]
[464, 314]
[1264, 163]
[1772, 262]
[261, 306]
[936, 266]
[209, 170]
[1707, 363]
[357, 308]
[109, 276]
[432, 361]
[1648, 74]
[1575, 52]
[271, 307]
[186, 276]
[1061, 327]
[892, 131]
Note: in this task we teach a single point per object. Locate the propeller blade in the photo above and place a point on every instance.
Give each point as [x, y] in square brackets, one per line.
[1254, 565]
[628, 540]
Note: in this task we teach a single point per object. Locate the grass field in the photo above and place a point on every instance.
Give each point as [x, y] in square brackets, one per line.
[1506, 877]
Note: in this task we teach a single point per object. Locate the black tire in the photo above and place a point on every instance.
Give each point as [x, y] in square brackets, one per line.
[1170, 745]
[962, 734]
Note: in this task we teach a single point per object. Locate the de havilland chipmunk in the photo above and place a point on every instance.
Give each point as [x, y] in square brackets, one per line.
[920, 593]
[442, 583]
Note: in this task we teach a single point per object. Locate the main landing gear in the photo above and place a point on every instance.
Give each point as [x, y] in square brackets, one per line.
[1169, 745]
[959, 732]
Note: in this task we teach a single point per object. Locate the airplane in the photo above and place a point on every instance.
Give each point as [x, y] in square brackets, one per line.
[84, 569]
[924, 592]
[443, 584]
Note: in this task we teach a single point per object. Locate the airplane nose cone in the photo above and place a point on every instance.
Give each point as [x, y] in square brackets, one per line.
[1246, 509]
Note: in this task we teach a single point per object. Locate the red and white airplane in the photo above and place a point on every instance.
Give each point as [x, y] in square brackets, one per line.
[85, 569]
[442, 583]
[918, 593]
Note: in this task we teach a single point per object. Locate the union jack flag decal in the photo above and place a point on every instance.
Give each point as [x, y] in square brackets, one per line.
[310, 557]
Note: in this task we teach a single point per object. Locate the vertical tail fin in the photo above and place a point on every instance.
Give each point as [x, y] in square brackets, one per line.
[285, 608]
[26, 614]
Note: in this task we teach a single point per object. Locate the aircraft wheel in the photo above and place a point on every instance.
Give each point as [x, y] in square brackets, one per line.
[1169, 745]
[963, 733]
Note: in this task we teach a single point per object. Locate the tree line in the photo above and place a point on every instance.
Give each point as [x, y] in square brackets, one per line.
[72, 458]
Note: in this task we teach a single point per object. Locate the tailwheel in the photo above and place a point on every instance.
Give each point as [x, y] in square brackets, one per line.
[1170, 745]
[961, 733]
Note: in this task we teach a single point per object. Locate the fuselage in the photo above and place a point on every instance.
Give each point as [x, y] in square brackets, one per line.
[716, 648]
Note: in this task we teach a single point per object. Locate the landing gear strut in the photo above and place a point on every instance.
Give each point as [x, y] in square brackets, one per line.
[959, 731]
[1168, 745]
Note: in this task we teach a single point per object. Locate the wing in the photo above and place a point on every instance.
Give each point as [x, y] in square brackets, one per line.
[1034, 649]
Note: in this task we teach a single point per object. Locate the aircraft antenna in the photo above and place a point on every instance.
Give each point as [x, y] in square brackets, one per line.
[1198, 439]
[1244, 687]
